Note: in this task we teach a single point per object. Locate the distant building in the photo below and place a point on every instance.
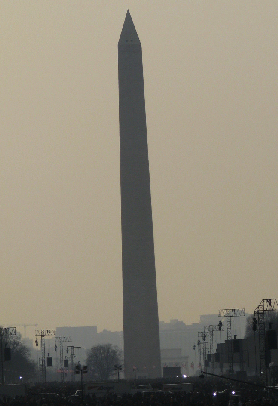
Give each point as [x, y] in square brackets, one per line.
[82, 336]
[177, 342]
[88, 336]
[111, 337]
[173, 334]
[177, 334]
[172, 372]
[172, 357]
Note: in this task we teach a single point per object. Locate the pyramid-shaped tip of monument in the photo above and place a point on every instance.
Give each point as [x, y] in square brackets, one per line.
[129, 35]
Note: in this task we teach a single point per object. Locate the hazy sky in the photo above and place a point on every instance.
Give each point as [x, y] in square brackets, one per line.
[211, 89]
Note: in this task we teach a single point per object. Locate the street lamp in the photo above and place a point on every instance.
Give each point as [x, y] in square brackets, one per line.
[118, 368]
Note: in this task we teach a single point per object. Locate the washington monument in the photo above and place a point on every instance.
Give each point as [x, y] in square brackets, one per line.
[140, 310]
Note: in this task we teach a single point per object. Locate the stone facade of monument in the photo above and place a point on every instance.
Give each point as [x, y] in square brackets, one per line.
[140, 309]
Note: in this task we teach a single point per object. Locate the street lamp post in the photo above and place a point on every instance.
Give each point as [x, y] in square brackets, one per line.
[72, 355]
[118, 368]
[62, 340]
[81, 370]
[42, 334]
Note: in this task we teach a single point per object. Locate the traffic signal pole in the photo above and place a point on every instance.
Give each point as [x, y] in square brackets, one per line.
[81, 370]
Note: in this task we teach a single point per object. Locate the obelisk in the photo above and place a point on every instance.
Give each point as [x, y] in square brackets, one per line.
[140, 310]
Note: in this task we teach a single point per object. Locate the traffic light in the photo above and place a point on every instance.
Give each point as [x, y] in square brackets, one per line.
[85, 370]
[77, 369]
[49, 361]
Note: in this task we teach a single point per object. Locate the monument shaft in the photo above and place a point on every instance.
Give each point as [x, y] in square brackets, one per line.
[140, 310]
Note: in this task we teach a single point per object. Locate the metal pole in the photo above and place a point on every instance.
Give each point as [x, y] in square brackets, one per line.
[62, 361]
[71, 359]
[81, 371]
[2, 360]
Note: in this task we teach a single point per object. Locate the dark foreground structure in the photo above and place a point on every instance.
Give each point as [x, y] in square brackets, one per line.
[140, 310]
[205, 392]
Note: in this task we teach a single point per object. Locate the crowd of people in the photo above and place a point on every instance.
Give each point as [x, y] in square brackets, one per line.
[204, 393]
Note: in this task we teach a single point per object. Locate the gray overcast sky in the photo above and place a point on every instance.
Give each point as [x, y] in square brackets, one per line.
[211, 93]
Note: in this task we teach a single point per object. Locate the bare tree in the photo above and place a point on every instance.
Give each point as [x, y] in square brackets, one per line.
[19, 363]
[102, 360]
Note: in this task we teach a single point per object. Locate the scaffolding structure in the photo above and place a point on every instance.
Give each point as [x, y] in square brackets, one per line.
[61, 341]
[229, 314]
[42, 334]
[211, 329]
[202, 346]
[265, 306]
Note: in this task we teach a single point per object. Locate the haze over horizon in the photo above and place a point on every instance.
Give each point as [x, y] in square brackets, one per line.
[210, 70]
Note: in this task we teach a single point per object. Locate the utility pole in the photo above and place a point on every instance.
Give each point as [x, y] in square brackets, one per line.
[265, 306]
[194, 349]
[211, 330]
[200, 354]
[72, 355]
[42, 334]
[62, 340]
[229, 314]
[5, 333]
[203, 336]
[81, 370]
